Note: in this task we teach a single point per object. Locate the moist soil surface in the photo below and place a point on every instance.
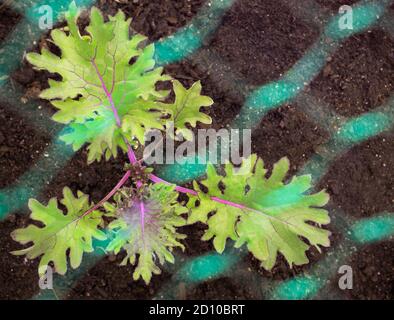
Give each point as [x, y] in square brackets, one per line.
[7, 24]
[258, 41]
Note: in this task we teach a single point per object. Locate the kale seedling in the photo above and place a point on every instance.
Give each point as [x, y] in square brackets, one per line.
[108, 97]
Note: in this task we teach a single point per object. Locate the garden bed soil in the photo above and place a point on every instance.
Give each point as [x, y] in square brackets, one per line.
[8, 24]
[373, 274]
[359, 76]
[259, 50]
[334, 5]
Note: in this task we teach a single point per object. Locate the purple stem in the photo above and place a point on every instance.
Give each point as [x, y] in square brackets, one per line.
[130, 152]
[109, 195]
[195, 193]
[108, 94]
[142, 217]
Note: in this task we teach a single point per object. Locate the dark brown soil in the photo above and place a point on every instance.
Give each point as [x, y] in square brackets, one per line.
[257, 50]
[360, 75]
[373, 269]
[277, 130]
[20, 146]
[361, 181]
[155, 19]
[108, 280]
[220, 289]
[261, 39]
[373, 273]
[18, 276]
[334, 5]
[7, 25]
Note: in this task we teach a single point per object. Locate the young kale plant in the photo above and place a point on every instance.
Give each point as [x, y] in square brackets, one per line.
[108, 97]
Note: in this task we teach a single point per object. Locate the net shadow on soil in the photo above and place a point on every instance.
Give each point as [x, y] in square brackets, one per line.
[312, 284]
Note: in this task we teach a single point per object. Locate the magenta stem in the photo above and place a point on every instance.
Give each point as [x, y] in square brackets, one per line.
[130, 152]
[108, 94]
[195, 193]
[142, 217]
[229, 203]
[156, 179]
[109, 195]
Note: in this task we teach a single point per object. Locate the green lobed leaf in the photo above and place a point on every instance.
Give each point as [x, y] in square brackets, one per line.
[81, 97]
[62, 232]
[186, 108]
[276, 216]
[155, 244]
[96, 77]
